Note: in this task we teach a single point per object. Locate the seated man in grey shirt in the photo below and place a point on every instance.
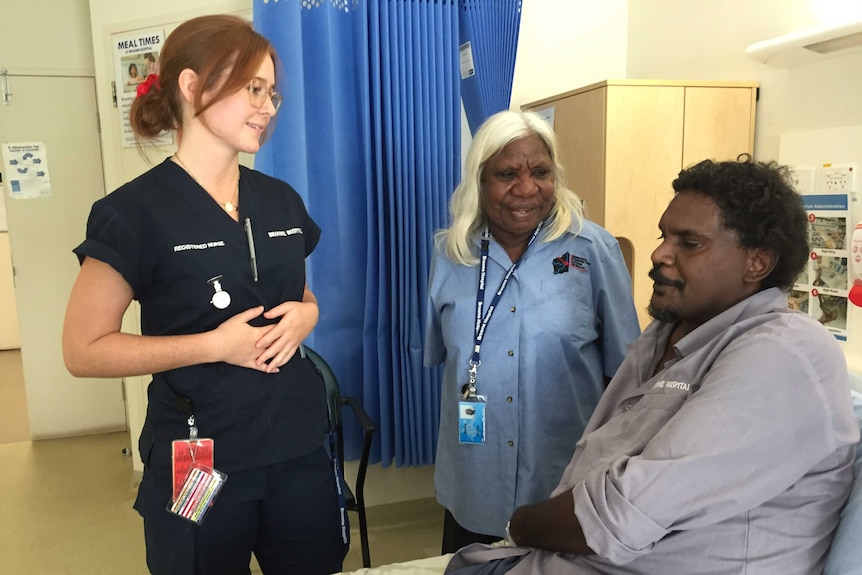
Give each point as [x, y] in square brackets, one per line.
[724, 443]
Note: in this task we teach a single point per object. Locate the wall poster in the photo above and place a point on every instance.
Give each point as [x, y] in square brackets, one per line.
[26, 167]
[821, 290]
[136, 56]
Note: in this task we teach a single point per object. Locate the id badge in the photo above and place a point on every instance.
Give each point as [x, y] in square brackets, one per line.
[471, 421]
[195, 482]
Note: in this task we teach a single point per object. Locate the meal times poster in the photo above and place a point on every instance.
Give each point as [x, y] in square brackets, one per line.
[136, 56]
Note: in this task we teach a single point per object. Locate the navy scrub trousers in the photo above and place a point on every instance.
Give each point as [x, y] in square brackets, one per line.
[286, 514]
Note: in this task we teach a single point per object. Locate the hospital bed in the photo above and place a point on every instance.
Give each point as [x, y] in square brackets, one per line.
[429, 566]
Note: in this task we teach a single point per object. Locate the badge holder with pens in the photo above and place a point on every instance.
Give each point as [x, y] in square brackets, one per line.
[196, 484]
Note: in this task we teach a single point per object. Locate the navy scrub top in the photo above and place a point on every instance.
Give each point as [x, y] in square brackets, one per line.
[167, 237]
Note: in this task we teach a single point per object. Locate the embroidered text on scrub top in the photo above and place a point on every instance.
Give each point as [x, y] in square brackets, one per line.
[284, 233]
[184, 247]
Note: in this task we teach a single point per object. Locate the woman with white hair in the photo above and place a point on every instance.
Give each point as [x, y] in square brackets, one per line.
[530, 309]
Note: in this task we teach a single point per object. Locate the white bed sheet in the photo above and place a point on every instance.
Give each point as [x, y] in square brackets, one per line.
[430, 566]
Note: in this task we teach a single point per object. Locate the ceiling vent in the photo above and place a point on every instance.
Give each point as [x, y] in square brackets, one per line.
[806, 46]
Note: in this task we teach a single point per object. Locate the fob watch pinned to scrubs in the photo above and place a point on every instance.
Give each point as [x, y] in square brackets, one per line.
[220, 299]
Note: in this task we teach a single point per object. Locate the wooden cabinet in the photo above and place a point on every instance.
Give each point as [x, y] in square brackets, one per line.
[622, 142]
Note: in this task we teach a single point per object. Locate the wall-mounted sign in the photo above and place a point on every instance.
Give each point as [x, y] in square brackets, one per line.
[25, 169]
[136, 56]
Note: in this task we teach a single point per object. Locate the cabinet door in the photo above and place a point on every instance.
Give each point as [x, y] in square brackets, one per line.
[644, 151]
[579, 123]
[719, 123]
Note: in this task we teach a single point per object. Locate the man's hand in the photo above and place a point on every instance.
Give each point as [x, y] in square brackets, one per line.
[550, 525]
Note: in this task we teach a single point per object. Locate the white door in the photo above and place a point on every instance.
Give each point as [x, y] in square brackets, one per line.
[61, 112]
[9, 338]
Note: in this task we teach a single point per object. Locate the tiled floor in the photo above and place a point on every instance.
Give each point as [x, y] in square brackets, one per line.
[66, 504]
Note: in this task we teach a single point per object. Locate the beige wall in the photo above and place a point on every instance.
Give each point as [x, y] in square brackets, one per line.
[707, 40]
[46, 37]
[565, 44]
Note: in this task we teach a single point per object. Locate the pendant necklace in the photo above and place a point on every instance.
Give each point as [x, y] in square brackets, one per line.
[229, 206]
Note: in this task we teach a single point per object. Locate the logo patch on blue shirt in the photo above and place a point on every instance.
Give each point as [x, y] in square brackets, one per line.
[568, 261]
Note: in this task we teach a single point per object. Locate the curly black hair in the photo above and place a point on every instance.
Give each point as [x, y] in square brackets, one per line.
[757, 201]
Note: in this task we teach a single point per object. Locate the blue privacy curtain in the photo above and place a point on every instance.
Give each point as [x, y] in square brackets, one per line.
[369, 134]
[488, 36]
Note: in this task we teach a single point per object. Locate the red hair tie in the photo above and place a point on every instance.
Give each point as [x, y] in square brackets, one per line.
[151, 81]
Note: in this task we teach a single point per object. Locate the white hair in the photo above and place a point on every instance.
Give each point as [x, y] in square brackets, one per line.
[465, 209]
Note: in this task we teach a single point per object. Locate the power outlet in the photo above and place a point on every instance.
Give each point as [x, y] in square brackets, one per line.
[836, 179]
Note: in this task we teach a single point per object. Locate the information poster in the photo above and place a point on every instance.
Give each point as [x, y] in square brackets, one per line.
[26, 169]
[822, 288]
[136, 56]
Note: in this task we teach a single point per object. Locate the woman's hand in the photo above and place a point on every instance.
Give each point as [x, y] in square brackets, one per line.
[236, 341]
[282, 341]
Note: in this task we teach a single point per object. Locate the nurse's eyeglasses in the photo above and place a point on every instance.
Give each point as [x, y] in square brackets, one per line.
[258, 93]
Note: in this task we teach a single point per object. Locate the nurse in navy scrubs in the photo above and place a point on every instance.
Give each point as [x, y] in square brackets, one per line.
[215, 254]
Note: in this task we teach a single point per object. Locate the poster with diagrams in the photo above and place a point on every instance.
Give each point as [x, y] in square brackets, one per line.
[26, 168]
[136, 56]
[821, 289]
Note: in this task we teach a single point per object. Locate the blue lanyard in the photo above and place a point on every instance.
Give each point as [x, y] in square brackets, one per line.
[336, 468]
[469, 390]
[342, 505]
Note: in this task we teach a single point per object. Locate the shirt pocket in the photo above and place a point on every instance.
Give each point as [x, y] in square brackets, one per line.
[566, 307]
[670, 397]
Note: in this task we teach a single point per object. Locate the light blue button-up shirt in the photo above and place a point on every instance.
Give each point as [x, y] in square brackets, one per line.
[561, 328]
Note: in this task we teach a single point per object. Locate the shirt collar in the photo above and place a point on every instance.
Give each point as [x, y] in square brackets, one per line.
[765, 301]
